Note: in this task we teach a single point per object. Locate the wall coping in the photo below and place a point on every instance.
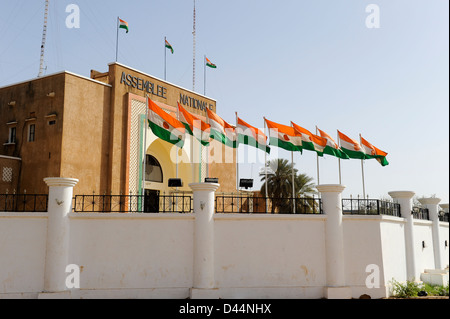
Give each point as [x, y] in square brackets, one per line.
[429, 201]
[402, 194]
[264, 216]
[23, 215]
[212, 187]
[60, 181]
[158, 216]
[417, 221]
[380, 218]
[330, 188]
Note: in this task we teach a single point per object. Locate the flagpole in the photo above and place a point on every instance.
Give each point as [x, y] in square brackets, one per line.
[317, 159]
[145, 144]
[200, 160]
[339, 159]
[293, 178]
[192, 156]
[237, 151]
[362, 171]
[204, 75]
[207, 148]
[165, 58]
[176, 164]
[265, 170]
[237, 166]
[117, 38]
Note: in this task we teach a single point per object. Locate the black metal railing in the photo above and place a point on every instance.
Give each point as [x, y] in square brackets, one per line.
[370, 207]
[251, 204]
[443, 217]
[420, 213]
[175, 203]
[23, 202]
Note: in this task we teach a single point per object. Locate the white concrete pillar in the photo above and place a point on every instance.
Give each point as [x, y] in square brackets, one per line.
[57, 249]
[404, 199]
[204, 234]
[432, 205]
[334, 242]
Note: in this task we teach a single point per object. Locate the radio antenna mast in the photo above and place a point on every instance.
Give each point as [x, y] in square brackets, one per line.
[193, 61]
[44, 37]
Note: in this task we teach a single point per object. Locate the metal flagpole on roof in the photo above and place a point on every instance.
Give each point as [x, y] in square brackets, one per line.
[317, 159]
[204, 75]
[293, 180]
[237, 163]
[362, 171]
[237, 151]
[165, 58]
[117, 38]
[265, 171]
[207, 148]
[339, 159]
[145, 147]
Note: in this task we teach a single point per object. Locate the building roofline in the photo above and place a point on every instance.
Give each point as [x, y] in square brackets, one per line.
[57, 73]
[152, 76]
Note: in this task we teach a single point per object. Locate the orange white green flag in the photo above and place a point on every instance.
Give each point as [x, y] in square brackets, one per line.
[332, 147]
[284, 136]
[221, 130]
[310, 141]
[164, 125]
[351, 147]
[251, 135]
[195, 126]
[210, 64]
[123, 24]
[373, 152]
[168, 45]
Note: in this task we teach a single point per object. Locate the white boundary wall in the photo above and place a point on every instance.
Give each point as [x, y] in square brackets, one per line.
[253, 255]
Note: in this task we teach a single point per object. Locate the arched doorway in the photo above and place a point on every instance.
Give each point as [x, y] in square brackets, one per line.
[154, 174]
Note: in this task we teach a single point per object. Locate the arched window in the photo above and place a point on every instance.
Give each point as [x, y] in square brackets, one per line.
[153, 170]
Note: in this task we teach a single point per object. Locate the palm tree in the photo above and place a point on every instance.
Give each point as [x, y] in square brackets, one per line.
[279, 187]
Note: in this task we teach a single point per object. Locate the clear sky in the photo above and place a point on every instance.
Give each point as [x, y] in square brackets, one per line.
[311, 62]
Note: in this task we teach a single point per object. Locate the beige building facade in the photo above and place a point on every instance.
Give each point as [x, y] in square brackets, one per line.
[95, 129]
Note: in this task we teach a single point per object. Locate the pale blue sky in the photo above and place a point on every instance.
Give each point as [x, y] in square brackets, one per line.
[312, 62]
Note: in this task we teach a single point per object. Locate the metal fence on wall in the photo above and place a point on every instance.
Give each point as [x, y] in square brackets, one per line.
[370, 207]
[420, 213]
[252, 204]
[175, 203]
[23, 202]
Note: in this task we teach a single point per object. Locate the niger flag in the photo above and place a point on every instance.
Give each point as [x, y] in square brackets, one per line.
[284, 136]
[209, 63]
[373, 152]
[251, 135]
[123, 25]
[332, 147]
[221, 130]
[165, 126]
[310, 141]
[351, 147]
[195, 126]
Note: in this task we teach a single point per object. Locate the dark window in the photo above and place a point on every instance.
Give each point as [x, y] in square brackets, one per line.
[31, 132]
[12, 135]
[153, 170]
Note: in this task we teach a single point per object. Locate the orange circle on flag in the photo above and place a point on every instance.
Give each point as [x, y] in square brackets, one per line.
[166, 126]
[286, 138]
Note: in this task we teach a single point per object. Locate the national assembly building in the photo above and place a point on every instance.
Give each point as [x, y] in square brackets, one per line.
[95, 129]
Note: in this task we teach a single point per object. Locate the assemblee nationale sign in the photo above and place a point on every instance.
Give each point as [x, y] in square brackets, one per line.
[161, 91]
